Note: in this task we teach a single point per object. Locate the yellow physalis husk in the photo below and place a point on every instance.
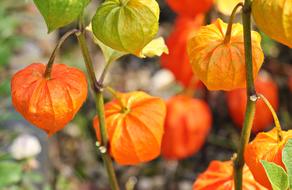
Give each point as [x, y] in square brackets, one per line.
[220, 63]
[226, 6]
[274, 18]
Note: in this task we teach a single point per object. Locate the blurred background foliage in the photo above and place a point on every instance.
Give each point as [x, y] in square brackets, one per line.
[69, 160]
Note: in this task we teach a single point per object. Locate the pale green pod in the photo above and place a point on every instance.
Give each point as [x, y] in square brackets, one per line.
[126, 25]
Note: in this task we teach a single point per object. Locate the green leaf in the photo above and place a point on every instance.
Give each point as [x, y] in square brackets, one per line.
[59, 13]
[10, 173]
[287, 160]
[34, 177]
[155, 48]
[276, 175]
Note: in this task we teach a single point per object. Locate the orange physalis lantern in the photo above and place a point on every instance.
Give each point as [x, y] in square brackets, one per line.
[177, 61]
[187, 124]
[134, 124]
[219, 176]
[266, 146]
[236, 101]
[218, 60]
[50, 103]
[190, 8]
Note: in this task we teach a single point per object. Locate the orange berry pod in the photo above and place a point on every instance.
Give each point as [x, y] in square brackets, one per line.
[177, 61]
[236, 102]
[48, 104]
[218, 63]
[134, 125]
[219, 176]
[274, 18]
[266, 146]
[187, 125]
[190, 8]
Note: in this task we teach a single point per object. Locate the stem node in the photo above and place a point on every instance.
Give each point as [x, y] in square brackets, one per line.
[253, 98]
[102, 149]
[98, 87]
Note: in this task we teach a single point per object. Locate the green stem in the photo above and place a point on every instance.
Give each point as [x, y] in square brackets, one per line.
[100, 112]
[104, 72]
[49, 66]
[275, 117]
[104, 141]
[229, 28]
[87, 60]
[251, 96]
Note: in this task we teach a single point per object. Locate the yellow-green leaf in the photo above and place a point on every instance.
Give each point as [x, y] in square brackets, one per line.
[155, 48]
[58, 13]
[287, 160]
[276, 174]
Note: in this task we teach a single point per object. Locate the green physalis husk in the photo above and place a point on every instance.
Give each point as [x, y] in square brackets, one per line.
[126, 25]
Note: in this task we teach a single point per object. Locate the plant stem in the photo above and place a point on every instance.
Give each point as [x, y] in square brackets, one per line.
[229, 28]
[251, 96]
[104, 72]
[275, 117]
[87, 60]
[49, 66]
[104, 141]
[98, 89]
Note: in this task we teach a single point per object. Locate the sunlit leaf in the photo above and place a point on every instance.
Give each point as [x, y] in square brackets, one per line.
[287, 160]
[155, 48]
[276, 174]
[58, 13]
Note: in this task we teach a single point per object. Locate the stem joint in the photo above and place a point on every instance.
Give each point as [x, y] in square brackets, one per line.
[98, 87]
